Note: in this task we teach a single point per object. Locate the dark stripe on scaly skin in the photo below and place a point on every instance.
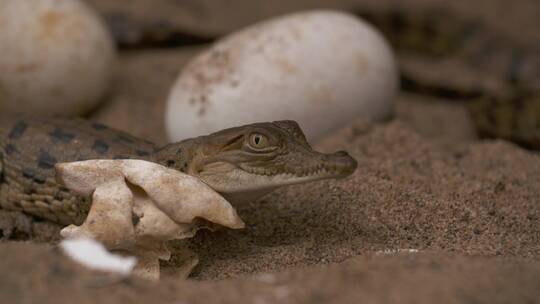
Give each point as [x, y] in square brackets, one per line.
[39, 179]
[46, 161]
[10, 149]
[123, 138]
[60, 135]
[30, 174]
[18, 130]
[98, 126]
[100, 147]
[142, 153]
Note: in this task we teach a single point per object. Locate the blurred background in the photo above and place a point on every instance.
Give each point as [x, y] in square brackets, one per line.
[466, 69]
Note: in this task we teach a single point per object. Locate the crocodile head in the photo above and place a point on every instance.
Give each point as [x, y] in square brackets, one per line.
[246, 162]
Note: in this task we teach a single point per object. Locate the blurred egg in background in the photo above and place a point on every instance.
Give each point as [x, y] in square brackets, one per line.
[321, 68]
[56, 57]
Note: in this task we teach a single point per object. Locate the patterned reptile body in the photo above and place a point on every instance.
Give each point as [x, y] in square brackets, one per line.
[454, 58]
[31, 146]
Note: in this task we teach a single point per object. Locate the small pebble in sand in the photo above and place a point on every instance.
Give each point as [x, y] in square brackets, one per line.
[395, 251]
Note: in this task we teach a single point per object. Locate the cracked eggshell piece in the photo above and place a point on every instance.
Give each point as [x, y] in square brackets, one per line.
[182, 197]
[109, 219]
[153, 224]
[137, 206]
[83, 177]
[321, 68]
[165, 200]
[56, 56]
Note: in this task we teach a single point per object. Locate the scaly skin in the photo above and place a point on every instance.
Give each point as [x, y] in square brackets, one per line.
[512, 110]
[241, 163]
[515, 118]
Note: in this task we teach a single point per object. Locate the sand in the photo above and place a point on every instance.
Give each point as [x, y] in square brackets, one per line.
[469, 213]
[476, 199]
[405, 278]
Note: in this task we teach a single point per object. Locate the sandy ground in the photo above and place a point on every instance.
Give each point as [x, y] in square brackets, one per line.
[476, 199]
[468, 209]
[471, 212]
[379, 278]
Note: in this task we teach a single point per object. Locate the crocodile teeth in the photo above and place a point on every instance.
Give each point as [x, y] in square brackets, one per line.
[317, 170]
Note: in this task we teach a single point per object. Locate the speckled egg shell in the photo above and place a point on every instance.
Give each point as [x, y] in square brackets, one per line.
[55, 56]
[320, 68]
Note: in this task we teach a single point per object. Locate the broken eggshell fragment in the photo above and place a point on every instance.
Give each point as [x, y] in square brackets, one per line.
[137, 206]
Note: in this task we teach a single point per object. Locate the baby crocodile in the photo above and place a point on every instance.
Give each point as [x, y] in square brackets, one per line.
[241, 163]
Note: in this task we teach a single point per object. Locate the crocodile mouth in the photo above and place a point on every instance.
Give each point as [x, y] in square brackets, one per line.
[245, 177]
[318, 165]
[314, 172]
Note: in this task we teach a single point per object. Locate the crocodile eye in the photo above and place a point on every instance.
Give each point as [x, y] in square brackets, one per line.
[258, 141]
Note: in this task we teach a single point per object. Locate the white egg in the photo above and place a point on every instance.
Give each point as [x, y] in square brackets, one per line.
[56, 56]
[320, 68]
